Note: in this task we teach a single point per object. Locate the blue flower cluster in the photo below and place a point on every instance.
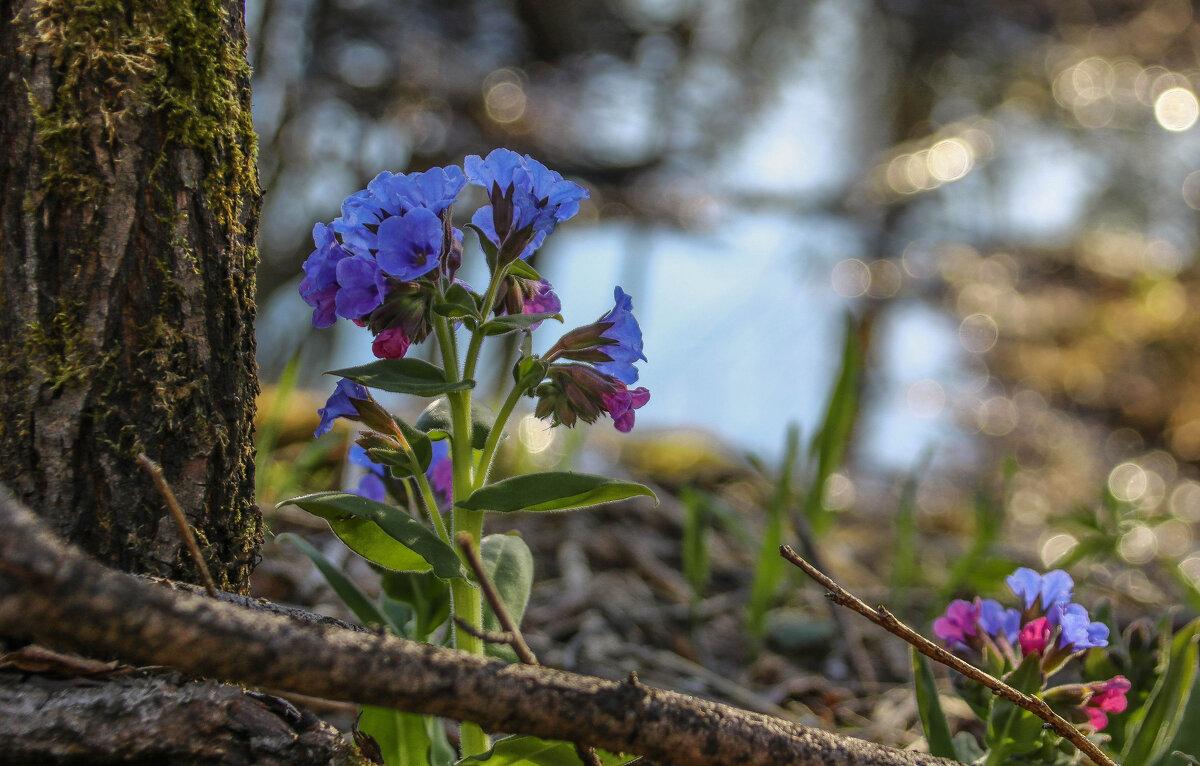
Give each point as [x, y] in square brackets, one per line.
[394, 253]
[1048, 624]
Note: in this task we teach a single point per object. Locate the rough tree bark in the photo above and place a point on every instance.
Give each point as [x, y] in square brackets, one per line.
[128, 212]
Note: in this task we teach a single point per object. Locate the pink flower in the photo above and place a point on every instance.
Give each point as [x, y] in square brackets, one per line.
[391, 344]
[1107, 697]
[1034, 636]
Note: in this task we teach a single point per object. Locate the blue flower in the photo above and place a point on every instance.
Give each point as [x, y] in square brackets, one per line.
[625, 336]
[524, 193]
[996, 620]
[1077, 629]
[434, 190]
[370, 484]
[409, 245]
[390, 196]
[319, 288]
[482, 220]
[1046, 590]
[363, 286]
[339, 405]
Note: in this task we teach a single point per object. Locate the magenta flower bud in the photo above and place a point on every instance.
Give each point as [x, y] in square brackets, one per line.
[390, 344]
[1035, 636]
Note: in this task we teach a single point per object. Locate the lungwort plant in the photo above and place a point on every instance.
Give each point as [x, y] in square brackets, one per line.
[389, 264]
[1126, 692]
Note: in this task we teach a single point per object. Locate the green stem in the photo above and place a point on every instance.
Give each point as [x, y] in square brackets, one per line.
[477, 337]
[431, 506]
[466, 600]
[493, 441]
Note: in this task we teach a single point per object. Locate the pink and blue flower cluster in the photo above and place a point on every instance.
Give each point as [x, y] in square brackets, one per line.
[1049, 625]
[393, 253]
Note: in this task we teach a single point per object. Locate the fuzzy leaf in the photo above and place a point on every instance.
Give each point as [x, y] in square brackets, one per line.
[552, 491]
[403, 528]
[403, 376]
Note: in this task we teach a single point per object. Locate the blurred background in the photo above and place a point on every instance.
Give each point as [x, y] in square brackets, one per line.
[953, 241]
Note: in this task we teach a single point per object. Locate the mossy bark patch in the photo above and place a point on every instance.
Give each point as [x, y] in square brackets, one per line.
[128, 215]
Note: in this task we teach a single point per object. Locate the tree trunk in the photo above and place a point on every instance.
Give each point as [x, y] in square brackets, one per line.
[128, 217]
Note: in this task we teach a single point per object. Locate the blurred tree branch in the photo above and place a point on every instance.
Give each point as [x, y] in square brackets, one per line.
[57, 596]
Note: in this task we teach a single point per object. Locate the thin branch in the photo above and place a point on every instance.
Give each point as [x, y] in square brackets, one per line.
[888, 621]
[61, 598]
[852, 637]
[181, 521]
[512, 632]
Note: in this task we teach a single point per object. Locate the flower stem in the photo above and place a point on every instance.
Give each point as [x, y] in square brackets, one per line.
[493, 441]
[431, 506]
[466, 601]
[489, 299]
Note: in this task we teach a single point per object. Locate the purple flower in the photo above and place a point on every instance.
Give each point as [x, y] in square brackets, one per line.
[319, 288]
[1077, 631]
[363, 286]
[995, 620]
[370, 484]
[1045, 590]
[339, 405]
[441, 472]
[574, 392]
[409, 245]
[526, 196]
[621, 403]
[958, 624]
[524, 296]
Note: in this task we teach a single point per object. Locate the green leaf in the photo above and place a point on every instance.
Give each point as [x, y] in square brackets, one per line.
[695, 539]
[436, 421]
[403, 376]
[967, 747]
[350, 594]
[837, 425]
[1187, 736]
[769, 570]
[426, 594]
[402, 737]
[524, 270]
[509, 565]
[459, 302]
[1154, 726]
[512, 322]
[552, 491]
[523, 750]
[368, 540]
[403, 528]
[1009, 727]
[933, 720]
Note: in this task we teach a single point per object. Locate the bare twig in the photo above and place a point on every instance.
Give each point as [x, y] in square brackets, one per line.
[888, 621]
[181, 521]
[512, 632]
[852, 637]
